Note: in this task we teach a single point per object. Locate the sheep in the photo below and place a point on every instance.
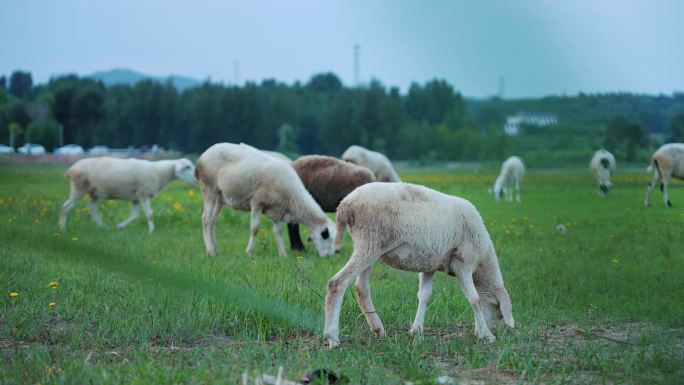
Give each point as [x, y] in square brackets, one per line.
[602, 165]
[666, 162]
[512, 171]
[244, 178]
[374, 161]
[277, 155]
[414, 228]
[134, 180]
[328, 180]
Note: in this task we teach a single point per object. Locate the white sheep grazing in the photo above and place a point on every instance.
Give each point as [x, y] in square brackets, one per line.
[512, 171]
[244, 178]
[666, 162]
[414, 228]
[134, 180]
[602, 165]
[374, 161]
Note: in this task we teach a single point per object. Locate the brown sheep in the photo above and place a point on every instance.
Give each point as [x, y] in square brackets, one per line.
[328, 180]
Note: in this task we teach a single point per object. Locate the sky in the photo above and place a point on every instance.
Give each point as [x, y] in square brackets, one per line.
[531, 47]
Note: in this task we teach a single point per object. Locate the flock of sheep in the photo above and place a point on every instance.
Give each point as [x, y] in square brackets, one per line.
[407, 226]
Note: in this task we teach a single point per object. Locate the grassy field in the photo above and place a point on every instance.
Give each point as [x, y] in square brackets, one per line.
[603, 303]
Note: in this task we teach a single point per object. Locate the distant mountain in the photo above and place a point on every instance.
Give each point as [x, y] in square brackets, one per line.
[129, 77]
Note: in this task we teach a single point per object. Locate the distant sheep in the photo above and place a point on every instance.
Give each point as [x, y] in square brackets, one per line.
[666, 162]
[602, 165]
[328, 180]
[414, 228]
[134, 180]
[512, 171]
[378, 163]
[244, 178]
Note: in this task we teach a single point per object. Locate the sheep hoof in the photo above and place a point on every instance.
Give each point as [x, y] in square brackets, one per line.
[489, 339]
[416, 333]
[332, 342]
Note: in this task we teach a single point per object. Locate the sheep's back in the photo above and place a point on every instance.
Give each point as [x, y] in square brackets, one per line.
[329, 180]
[413, 228]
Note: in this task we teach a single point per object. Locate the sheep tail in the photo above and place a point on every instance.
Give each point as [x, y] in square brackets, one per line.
[69, 174]
[198, 171]
[650, 165]
[343, 218]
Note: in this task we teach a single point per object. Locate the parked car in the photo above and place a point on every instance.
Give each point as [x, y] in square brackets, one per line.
[6, 149]
[98, 150]
[31, 149]
[69, 149]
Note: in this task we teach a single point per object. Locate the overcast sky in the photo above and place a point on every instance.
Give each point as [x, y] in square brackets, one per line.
[540, 47]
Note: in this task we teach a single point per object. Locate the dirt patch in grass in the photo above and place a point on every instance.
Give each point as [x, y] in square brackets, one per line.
[550, 346]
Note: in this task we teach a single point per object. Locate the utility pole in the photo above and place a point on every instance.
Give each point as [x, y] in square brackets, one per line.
[357, 50]
[236, 73]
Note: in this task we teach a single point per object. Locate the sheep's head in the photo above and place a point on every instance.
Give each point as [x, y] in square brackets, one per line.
[605, 186]
[498, 192]
[184, 170]
[323, 238]
[496, 307]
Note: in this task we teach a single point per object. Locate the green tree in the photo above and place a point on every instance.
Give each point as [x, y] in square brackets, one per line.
[20, 83]
[14, 131]
[675, 128]
[624, 137]
[45, 132]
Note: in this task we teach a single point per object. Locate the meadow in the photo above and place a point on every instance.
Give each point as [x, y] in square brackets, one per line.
[602, 303]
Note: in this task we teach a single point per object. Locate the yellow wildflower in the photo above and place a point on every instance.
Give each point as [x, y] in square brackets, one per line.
[52, 304]
[53, 285]
[299, 257]
[13, 294]
[615, 260]
[75, 239]
[177, 206]
[191, 193]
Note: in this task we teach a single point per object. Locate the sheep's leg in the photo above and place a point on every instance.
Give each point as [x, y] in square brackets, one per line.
[134, 215]
[509, 193]
[147, 208]
[517, 190]
[278, 231]
[424, 295]
[67, 207]
[92, 207]
[465, 279]
[336, 287]
[663, 187]
[651, 186]
[212, 207]
[295, 238]
[363, 295]
[253, 229]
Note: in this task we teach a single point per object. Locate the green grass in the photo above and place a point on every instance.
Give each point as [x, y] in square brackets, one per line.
[602, 303]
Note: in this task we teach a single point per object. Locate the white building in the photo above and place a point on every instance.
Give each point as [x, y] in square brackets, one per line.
[540, 119]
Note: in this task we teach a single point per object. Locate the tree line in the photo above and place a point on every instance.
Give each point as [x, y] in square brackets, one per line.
[431, 121]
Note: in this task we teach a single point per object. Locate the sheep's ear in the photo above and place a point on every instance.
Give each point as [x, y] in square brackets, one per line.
[505, 306]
